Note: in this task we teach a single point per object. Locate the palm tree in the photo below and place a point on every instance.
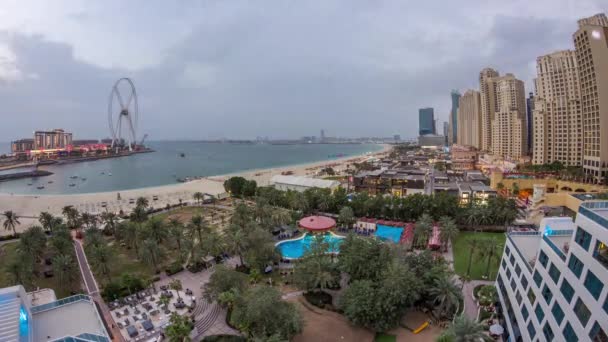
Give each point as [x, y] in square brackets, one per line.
[151, 253]
[93, 238]
[72, 216]
[346, 217]
[446, 296]
[490, 250]
[61, 241]
[176, 233]
[280, 217]
[10, 221]
[198, 197]
[515, 188]
[423, 230]
[46, 220]
[100, 258]
[197, 226]
[473, 244]
[142, 202]
[472, 216]
[156, 230]
[129, 233]
[139, 215]
[20, 270]
[236, 242]
[212, 244]
[65, 270]
[463, 329]
[164, 301]
[449, 231]
[32, 243]
[109, 220]
[88, 220]
[176, 285]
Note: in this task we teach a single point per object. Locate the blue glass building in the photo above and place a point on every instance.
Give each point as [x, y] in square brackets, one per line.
[426, 121]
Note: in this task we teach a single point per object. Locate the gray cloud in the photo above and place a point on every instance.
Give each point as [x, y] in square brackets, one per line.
[237, 69]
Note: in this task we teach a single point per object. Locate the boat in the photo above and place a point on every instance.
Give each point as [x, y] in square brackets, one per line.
[72, 184]
[183, 155]
[83, 179]
[73, 177]
[102, 173]
[110, 174]
[50, 182]
[40, 187]
[29, 184]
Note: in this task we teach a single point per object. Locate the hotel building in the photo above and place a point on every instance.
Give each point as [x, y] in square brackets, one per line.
[39, 316]
[557, 117]
[591, 46]
[553, 283]
[22, 145]
[508, 124]
[469, 119]
[426, 121]
[452, 134]
[57, 138]
[487, 88]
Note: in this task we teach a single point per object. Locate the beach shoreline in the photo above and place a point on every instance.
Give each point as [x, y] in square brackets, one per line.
[29, 206]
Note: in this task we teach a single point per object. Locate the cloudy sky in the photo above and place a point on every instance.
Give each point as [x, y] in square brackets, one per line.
[279, 68]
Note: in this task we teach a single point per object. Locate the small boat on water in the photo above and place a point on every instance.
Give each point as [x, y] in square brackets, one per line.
[83, 179]
[72, 184]
[183, 155]
[102, 173]
[50, 182]
[40, 187]
[73, 177]
[29, 184]
[110, 174]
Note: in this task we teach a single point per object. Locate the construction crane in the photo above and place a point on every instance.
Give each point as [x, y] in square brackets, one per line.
[141, 143]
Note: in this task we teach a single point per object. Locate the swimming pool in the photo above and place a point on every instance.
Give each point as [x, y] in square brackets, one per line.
[389, 233]
[294, 249]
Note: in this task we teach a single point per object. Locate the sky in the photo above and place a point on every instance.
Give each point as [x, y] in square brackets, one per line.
[211, 69]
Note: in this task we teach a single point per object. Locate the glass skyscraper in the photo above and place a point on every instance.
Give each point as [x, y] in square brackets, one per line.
[426, 121]
[454, 116]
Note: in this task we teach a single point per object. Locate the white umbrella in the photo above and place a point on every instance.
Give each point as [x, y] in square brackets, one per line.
[496, 329]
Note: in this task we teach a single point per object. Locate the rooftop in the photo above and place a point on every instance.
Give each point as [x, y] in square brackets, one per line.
[72, 319]
[304, 181]
[317, 223]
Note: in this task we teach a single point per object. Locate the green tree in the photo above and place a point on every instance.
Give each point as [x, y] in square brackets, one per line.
[346, 217]
[474, 244]
[449, 231]
[235, 186]
[101, 258]
[109, 219]
[65, 270]
[93, 238]
[139, 215]
[142, 202]
[446, 296]
[156, 229]
[515, 189]
[129, 233]
[46, 220]
[463, 329]
[176, 285]
[197, 227]
[255, 314]
[491, 251]
[235, 240]
[176, 234]
[179, 328]
[32, 243]
[198, 197]
[315, 270]
[223, 280]
[11, 220]
[61, 241]
[20, 270]
[423, 230]
[151, 253]
[364, 258]
[72, 216]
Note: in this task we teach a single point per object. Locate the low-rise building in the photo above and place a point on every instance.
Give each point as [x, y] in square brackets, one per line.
[22, 145]
[431, 141]
[552, 282]
[39, 316]
[397, 182]
[463, 157]
[300, 183]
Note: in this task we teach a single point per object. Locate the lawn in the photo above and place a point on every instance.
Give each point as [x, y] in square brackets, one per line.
[125, 261]
[8, 253]
[385, 338]
[478, 267]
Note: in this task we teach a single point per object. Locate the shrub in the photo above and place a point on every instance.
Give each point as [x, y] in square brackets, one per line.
[319, 299]
[224, 338]
[174, 268]
[196, 267]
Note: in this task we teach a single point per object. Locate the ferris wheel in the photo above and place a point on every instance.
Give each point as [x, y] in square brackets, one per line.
[123, 115]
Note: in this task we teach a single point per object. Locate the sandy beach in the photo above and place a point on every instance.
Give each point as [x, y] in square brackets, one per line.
[28, 207]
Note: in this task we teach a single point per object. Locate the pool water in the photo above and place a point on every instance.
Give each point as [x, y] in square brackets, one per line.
[294, 249]
[389, 233]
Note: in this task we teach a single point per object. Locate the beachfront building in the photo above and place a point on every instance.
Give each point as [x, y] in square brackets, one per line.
[22, 145]
[300, 183]
[552, 282]
[508, 124]
[55, 139]
[39, 316]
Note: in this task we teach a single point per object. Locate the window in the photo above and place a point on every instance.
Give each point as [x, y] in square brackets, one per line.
[605, 306]
[597, 334]
[524, 312]
[507, 250]
[547, 294]
[548, 332]
[575, 265]
[531, 296]
[569, 334]
[518, 270]
[540, 314]
[582, 238]
[582, 312]
[593, 284]
[531, 330]
[557, 313]
[508, 274]
[600, 253]
[524, 282]
[554, 273]
[518, 297]
[542, 257]
[537, 278]
[513, 284]
[504, 264]
[512, 260]
[567, 290]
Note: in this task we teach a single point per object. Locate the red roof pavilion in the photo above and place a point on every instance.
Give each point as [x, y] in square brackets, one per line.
[317, 223]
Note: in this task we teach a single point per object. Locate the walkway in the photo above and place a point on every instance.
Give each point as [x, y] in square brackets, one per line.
[470, 306]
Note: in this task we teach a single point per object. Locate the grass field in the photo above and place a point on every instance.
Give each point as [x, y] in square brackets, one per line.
[478, 267]
[385, 338]
[8, 253]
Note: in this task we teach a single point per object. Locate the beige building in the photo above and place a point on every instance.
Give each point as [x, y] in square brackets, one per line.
[54, 139]
[469, 119]
[591, 43]
[508, 123]
[487, 88]
[557, 120]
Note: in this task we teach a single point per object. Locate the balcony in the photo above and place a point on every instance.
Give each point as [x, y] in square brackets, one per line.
[595, 211]
[60, 303]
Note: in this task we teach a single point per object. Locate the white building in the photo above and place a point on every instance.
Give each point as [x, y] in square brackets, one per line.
[299, 183]
[39, 316]
[551, 283]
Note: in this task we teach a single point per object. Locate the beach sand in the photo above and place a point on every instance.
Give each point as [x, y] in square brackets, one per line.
[28, 207]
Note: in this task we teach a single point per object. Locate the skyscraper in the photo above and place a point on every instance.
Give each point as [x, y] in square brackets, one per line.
[426, 121]
[591, 43]
[453, 124]
[529, 109]
[508, 124]
[446, 130]
[469, 119]
[557, 110]
[487, 88]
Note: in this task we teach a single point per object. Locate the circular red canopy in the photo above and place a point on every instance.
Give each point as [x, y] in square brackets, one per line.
[317, 223]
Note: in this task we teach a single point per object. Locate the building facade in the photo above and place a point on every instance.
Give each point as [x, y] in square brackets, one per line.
[487, 89]
[22, 145]
[426, 121]
[552, 283]
[56, 138]
[529, 110]
[469, 119]
[508, 125]
[453, 123]
[463, 158]
[591, 46]
[557, 117]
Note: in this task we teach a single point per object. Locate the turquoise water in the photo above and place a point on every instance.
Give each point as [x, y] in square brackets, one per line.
[165, 165]
[389, 233]
[294, 249]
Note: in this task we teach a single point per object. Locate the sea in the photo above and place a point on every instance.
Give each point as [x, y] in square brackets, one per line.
[166, 165]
